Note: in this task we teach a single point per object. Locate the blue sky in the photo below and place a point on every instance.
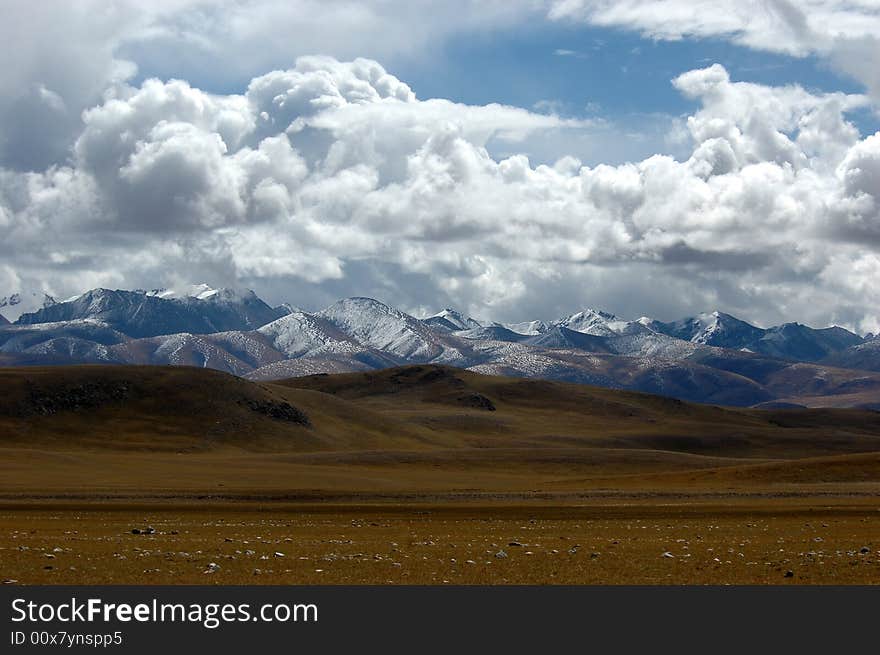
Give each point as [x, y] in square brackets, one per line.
[596, 71]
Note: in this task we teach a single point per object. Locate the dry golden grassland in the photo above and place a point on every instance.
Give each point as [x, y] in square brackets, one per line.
[422, 475]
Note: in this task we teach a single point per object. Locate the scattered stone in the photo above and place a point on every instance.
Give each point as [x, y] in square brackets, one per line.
[278, 553]
[864, 550]
[667, 554]
[10, 581]
[573, 550]
[212, 567]
[789, 574]
[515, 544]
[258, 571]
[500, 554]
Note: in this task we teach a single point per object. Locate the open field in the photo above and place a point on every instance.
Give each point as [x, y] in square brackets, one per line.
[755, 542]
[422, 475]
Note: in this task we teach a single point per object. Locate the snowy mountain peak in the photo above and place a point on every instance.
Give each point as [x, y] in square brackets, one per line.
[599, 323]
[202, 292]
[649, 323]
[379, 326]
[16, 304]
[712, 329]
[299, 333]
[452, 320]
[142, 314]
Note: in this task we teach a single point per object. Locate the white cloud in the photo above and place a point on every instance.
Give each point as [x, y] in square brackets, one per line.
[332, 178]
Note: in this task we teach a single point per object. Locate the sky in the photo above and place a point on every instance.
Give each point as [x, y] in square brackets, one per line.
[515, 160]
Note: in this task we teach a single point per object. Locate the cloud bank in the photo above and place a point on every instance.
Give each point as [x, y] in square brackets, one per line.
[333, 178]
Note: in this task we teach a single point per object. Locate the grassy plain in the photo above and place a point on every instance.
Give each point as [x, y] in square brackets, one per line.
[422, 475]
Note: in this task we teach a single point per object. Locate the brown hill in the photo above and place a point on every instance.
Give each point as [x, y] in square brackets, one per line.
[146, 408]
[415, 429]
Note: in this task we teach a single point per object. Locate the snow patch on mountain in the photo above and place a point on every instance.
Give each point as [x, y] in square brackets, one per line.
[299, 334]
[198, 291]
[591, 321]
[452, 320]
[379, 326]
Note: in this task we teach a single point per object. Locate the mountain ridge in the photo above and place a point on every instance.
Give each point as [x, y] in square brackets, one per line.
[713, 357]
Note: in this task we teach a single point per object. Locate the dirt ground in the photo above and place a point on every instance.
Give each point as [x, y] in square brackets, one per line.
[742, 541]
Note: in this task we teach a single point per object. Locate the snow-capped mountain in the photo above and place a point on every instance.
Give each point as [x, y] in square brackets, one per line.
[594, 322]
[599, 324]
[711, 357]
[3, 320]
[197, 291]
[788, 341]
[16, 304]
[300, 334]
[451, 320]
[711, 329]
[374, 324]
[143, 314]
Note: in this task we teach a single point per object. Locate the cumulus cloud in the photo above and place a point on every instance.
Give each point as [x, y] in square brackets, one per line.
[60, 57]
[332, 178]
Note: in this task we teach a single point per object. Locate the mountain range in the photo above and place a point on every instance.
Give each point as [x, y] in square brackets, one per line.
[710, 358]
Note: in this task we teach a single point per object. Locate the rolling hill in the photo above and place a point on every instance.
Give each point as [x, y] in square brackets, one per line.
[430, 415]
